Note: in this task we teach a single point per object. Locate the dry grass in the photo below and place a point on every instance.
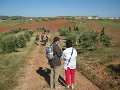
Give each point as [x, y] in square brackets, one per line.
[10, 64]
[95, 67]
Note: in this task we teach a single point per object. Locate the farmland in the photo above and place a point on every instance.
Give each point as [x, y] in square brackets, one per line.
[51, 25]
[99, 64]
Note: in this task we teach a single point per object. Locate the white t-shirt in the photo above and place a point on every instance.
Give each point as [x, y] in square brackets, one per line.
[66, 56]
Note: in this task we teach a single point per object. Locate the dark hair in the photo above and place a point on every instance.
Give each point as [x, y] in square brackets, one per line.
[69, 43]
[55, 39]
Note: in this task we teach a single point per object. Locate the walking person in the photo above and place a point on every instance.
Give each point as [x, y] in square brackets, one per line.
[37, 40]
[42, 36]
[45, 39]
[69, 56]
[55, 64]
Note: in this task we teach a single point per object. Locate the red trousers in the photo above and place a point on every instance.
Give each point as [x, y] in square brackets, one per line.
[70, 76]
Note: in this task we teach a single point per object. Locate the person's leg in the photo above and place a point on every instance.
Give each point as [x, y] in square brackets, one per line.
[44, 42]
[57, 72]
[37, 42]
[51, 78]
[72, 72]
[67, 74]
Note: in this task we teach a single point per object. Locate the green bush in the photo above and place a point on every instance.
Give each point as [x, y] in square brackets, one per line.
[105, 39]
[27, 35]
[88, 39]
[72, 36]
[30, 32]
[17, 30]
[21, 41]
[64, 31]
[23, 38]
[8, 43]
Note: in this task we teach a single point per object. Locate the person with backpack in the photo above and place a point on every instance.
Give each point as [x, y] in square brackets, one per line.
[53, 54]
[69, 56]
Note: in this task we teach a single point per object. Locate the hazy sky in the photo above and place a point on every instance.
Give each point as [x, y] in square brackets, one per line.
[43, 8]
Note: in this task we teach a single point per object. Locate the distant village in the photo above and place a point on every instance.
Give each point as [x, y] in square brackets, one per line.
[87, 17]
[4, 18]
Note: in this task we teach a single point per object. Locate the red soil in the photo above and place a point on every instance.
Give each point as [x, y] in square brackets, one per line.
[51, 25]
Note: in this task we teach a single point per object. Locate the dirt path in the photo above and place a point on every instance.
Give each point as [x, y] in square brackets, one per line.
[37, 71]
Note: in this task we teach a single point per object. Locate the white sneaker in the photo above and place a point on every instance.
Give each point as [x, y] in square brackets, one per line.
[68, 87]
[72, 87]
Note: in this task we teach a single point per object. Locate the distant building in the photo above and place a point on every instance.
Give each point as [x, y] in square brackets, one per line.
[28, 19]
[111, 18]
[90, 17]
[93, 17]
[2, 20]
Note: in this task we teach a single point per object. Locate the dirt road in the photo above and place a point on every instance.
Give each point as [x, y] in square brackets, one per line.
[36, 74]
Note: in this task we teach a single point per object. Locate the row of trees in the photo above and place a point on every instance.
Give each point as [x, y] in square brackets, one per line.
[10, 42]
[11, 17]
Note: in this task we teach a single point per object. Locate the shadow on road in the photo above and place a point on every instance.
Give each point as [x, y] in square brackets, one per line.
[46, 74]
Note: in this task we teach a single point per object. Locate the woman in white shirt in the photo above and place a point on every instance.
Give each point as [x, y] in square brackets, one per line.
[69, 56]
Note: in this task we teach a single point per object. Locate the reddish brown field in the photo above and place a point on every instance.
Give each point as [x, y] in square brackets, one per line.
[51, 25]
[114, 33]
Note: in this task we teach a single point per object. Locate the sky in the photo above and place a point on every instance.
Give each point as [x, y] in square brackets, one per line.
[53, 8]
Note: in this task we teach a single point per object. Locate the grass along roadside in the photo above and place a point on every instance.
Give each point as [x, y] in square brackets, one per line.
[11, 63]
[95, 66]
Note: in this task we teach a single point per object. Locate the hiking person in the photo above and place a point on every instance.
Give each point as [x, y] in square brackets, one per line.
[55, 63]
[37, 40]
[45, 39]
[45, 30]
[69, 56]
[42, 36]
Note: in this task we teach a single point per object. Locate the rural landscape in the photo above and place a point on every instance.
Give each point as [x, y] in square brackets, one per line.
[92, 28]
[97, 43]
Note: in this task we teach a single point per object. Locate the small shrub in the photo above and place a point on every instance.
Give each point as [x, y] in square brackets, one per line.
[88, 39]
[27, 35]
[72, 36]
[21, 41]
[8, 43]
[105, 39]
[63, 31]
